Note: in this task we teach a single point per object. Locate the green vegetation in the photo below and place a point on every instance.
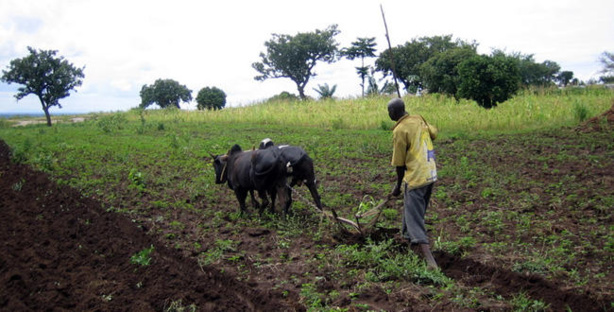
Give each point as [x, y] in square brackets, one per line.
[142, 257]
[517, 188]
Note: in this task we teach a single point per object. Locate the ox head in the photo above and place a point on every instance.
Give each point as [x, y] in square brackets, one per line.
[219, 165]
[266, 143]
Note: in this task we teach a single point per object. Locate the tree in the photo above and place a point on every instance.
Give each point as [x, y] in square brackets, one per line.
[43, 74]
[325, 91]
[440, 73]
[533, 73]
[362, 48]
[564, 77]
[607, 60]
[488, 80]
[210, 98]
[294, 57]
[165, 93]
[409, 57]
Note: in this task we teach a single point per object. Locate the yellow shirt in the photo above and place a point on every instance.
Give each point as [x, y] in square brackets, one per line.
[413, 148]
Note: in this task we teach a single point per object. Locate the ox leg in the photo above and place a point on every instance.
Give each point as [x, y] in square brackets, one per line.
[241, 196]
[285, 197]
[273, 194]
[265, 201]
[255, 203]
[306, 173]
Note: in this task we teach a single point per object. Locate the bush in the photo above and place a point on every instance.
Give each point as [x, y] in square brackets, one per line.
[110, 123]
[211, 98]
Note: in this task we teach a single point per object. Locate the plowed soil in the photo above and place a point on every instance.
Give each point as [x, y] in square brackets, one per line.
[62, 252]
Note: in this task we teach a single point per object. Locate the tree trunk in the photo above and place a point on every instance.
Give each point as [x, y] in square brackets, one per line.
[48, 116]
[46, 110]
[301, 93]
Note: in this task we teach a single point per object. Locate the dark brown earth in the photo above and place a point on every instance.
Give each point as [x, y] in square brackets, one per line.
[62, 251]
[603, 122]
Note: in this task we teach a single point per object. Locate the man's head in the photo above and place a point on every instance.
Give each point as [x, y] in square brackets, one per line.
[396, 109]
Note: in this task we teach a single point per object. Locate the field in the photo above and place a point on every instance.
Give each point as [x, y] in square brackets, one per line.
[121, 212]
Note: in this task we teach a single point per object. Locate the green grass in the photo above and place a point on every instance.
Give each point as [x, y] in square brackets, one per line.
[487, 203]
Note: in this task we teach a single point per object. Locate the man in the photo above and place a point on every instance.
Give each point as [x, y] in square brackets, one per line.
[414, 158]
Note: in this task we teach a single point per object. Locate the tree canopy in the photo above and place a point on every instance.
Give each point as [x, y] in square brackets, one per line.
[440, 72]
[607, 60]
[295, 57]
[488, 80]
[43, 74]
[210, 98]
[165, 93]
[409, 58]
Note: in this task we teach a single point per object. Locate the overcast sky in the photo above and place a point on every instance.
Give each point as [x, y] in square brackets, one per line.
[126, 44]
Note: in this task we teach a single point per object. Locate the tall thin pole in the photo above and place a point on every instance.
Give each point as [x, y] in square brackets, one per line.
[394, 72]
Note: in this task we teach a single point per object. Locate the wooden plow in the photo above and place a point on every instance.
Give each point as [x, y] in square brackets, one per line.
[357, 226]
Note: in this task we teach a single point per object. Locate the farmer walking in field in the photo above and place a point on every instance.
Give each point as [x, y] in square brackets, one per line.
[414, 158]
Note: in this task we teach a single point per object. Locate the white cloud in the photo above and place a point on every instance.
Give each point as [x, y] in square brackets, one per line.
[126, 44]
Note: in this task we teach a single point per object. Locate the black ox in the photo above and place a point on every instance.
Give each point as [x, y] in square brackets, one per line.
[248, 171]
[297, 165]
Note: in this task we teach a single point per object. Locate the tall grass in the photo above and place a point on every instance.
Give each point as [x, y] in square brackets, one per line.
[529, 110]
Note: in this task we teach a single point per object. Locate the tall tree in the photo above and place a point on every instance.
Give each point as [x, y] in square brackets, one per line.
[362, 48]
[488, 80]
[409, 57]
[607, 60]
[295, 57]
[564, 77]
[440, 73]
[165, 93]
[43, 74]
[533, 73]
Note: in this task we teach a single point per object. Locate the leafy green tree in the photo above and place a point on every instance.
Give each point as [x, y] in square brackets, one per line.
[532, 73]
[210, 98]
[43, 74]
[408, 58]
[362, 48]
[607, 60]
[440, 73]
[564, 77]
[295, 57]
[488, 80]
[325, 91]
[165, 93]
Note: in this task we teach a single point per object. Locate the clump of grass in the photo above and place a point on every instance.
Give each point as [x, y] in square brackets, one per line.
[111, 123]
[580, 111]
[177, 306]
[381, 263]
[4, 123]
[142, 257]
[522, 302]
